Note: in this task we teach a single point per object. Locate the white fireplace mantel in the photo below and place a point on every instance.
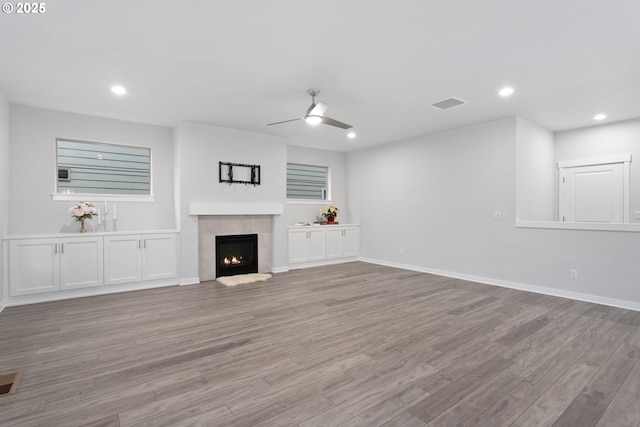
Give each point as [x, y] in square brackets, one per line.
[204, 208]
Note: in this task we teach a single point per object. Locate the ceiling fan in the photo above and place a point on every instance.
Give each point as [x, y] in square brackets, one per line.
[315, 113]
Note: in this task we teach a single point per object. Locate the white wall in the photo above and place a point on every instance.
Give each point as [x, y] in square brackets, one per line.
[429, 201]
[605, 140]
[536, 172]
[336, 162]
[199, 148]
[33, 134]
[4, 182]
[427, 204]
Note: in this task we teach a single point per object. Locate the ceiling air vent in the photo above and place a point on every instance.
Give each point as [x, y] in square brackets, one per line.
[445, 104]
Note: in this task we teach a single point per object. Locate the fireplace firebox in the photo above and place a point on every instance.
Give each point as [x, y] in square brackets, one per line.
[236, 254]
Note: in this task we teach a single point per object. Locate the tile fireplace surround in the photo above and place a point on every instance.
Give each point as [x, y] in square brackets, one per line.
[210, 226]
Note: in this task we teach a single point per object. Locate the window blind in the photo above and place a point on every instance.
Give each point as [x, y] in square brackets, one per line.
[306, 182]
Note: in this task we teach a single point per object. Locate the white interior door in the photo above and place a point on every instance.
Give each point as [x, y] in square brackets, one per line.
[592, 193]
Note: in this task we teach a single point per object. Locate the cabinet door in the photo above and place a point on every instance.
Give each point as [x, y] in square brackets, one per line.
[334, 242]
[122, 259]
[351, 242]
[81, 262]
[159, 256]
[316, 245]
[297, 245]
[34, 266]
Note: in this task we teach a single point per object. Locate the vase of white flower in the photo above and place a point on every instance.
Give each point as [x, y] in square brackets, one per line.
[82, 212]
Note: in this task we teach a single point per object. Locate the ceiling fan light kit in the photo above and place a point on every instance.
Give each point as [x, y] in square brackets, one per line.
[315, 114]
[313, 120]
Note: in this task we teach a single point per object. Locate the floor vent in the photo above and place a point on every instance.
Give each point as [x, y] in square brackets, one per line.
[9, 382]
[445, 104]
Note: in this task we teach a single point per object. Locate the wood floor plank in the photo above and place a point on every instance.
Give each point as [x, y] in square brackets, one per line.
[352, 344]
[589, 406]
[210, 398]
[502, 413]
[540, 380]
[290, 394]
[544, 344]
[625, 406]
[548, 408]
[389, 379]
[470, 407]
[439, 402]
[608, 423]
[299, 413]
[405, 419]
[388, 409]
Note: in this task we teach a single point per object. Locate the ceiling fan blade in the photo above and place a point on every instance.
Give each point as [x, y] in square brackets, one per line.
[318, 110]
[285, 121]
[333, 122]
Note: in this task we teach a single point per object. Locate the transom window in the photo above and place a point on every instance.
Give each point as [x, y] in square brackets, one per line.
[307, 182]
[96, 168]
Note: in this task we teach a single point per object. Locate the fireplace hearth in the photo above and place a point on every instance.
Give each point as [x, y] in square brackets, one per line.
[236, 254]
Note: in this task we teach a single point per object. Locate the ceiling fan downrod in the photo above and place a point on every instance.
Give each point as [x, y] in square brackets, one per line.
[313, 92]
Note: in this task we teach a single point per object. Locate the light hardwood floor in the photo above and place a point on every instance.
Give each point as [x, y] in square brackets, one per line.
[354, 344]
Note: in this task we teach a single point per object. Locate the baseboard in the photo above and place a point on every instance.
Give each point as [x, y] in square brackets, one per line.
[2, 305]
[280, 269]
[322, 262]
[189, 281]
[629, 305]
[87, 292]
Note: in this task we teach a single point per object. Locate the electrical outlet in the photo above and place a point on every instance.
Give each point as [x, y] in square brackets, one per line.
[637, 215]
[401, 251]
[573, 273]
[497, 215]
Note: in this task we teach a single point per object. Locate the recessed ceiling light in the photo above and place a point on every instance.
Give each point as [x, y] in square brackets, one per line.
[351, 135]
[599, 117]
[506, 91]
[118, 90]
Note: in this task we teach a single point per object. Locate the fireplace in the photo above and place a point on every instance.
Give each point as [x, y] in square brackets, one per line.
[236, 254]
[210, 226]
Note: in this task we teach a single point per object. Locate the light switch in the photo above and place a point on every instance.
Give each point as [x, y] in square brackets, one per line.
[497, 215]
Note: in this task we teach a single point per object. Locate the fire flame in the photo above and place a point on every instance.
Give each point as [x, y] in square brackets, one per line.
[233, 261]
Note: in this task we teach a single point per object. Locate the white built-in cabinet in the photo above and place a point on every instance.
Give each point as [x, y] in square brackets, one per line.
[342, 242]
[323, 244]
[61, 267]
[306, 244]
[49, 265]
[134, 258]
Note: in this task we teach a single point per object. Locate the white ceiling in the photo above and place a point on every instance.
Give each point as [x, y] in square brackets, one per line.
[378, 64]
